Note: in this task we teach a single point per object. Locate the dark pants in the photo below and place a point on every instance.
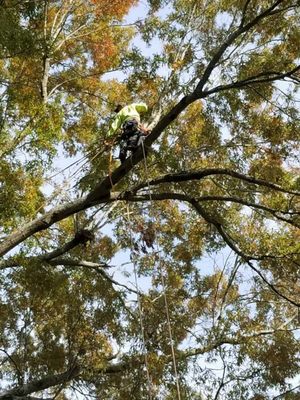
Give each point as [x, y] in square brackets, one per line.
[131, 139]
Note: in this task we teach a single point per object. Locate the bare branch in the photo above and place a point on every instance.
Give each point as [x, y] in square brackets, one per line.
[263, 77]
[110, 279]
[231, 38]
[279, 396]
[222, 383]
[185, 176]
[270, 210]
[244, 12]
[11, 359]
[68, 262]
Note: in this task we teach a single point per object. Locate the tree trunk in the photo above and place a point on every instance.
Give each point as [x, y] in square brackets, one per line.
[45, 77]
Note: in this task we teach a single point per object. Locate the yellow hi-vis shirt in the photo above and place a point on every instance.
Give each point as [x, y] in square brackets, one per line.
[126, 114]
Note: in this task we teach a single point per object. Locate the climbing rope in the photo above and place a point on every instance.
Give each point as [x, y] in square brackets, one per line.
[163, 282]
[65, 168]
[98, 153]
[150, 388]
[85, 159]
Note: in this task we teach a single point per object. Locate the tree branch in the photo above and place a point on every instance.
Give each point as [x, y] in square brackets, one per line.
[185, 176]
[23, 391]
[101, 192]
[69, 262]
[231, 38]
[219, 227]
[238, 200]
[228, 240]
[287, 392]
[81, 237]
[247, 2]
[240, 339]
[42, 223]
[28, 398]
[253, 80]
[11, 359]
[40, 384]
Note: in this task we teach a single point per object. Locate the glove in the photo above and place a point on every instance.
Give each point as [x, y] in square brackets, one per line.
[108, 144]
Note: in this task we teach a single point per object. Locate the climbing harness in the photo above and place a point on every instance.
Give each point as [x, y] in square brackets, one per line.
[129, 128]
[131, 137]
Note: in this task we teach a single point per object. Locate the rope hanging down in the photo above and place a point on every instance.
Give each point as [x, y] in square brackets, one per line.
[150, 387]
[163, 283]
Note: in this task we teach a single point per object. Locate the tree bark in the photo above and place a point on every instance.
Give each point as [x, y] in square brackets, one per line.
[186, 176]
[41, 384]
[45, 78]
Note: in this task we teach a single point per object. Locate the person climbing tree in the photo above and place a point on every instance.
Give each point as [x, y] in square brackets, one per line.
[133, 133]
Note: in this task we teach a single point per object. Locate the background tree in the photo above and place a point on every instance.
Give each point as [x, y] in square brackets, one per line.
[210, 218]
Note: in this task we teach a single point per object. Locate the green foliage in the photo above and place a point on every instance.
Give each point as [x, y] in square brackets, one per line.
[222, 226]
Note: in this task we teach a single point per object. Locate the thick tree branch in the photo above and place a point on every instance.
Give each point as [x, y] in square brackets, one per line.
[208, 218]
[24, 391]
[101, 192]
[68, 262]
[262, 207]
[185, 176]
[182, 197]
[81, 237]
[247, 2]
[45, 78]
[41, 384]
[43, 222]
[13, 262]
[103, 188]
